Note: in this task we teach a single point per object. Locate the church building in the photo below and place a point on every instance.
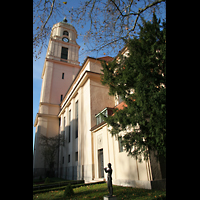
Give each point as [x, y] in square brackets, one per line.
[72, 99]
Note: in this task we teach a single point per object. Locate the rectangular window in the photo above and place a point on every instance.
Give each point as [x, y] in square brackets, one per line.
[61, 97]
[63, 74]
[64, 133]
[69, 158]
[76, 156]
[59, 125]
[69, 126]
[64, 53]
[120, 144]
[120, 99]
[99, 118]
[76, 120]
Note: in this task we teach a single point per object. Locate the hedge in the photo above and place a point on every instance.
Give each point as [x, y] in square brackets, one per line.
[63, 187]
[58, 184]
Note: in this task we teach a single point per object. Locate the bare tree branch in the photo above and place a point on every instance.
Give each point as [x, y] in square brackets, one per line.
[91, 12]
[134, 24]
[44, 13]
[117, 8]
[141, 11]
[42, 29]
[109, 20]
[150, 5]
[52, 6]
[49, 147]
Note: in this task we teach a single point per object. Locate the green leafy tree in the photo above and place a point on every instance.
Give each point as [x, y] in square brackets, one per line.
[140, 80]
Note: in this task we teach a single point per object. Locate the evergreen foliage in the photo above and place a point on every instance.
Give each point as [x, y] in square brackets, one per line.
[47, 180]
[144, 70]
[40, 178]
[68, 191]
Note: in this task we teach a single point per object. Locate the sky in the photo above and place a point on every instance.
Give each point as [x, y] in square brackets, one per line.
[38, 64]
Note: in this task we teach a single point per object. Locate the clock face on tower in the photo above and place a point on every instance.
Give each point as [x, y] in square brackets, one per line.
[65, 39]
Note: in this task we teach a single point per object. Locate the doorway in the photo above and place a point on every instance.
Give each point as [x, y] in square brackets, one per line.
[100, 163]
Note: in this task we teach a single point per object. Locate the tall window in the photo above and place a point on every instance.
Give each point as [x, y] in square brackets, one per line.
[64, 133]
[69, 126]
[63, 74]
[64, 53]
[76, 119]
[120, 99]
[61, 97]
[76, 156]
[59, 125]
[120, 144]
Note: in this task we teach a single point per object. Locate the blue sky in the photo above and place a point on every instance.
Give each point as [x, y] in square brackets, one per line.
[38, 64]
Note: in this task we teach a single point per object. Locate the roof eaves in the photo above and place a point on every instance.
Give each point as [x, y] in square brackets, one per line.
[97, 126]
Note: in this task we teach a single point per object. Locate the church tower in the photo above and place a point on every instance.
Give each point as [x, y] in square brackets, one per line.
[60, 67]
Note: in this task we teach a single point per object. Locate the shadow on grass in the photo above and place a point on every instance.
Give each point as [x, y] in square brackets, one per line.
[83, 192]
[98, 191]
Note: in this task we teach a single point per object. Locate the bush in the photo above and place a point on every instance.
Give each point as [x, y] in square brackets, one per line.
[68, 191]
[47, 180]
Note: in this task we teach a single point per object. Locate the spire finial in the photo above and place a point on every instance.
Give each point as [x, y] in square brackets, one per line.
[64, 20]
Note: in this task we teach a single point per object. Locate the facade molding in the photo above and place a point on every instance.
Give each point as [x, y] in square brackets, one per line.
[60, 41]
[58, 61]
[49, 104]
[72, 92]
[98, 127]
[43, 115]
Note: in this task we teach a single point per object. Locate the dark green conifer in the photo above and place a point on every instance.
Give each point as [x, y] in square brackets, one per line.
[144, 70]
[68, 191]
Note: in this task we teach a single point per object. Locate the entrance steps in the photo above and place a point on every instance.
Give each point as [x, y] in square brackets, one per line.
[96, 180]
[99, 179]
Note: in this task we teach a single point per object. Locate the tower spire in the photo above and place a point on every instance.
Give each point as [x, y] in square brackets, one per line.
[64, 20]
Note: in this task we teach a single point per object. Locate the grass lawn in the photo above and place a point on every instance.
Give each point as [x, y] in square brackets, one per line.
[99, 190]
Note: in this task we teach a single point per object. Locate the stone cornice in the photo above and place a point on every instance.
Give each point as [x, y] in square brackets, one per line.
[66, 26]
[97, 127]
[43, 115]
[36, 120]
[46, 115]
[49, 104]
[59, 62]
[60, 41]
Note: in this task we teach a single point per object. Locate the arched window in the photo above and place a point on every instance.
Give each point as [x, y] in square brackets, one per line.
[65, 33]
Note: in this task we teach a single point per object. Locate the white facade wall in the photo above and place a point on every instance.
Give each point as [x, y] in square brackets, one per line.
[93, 97]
